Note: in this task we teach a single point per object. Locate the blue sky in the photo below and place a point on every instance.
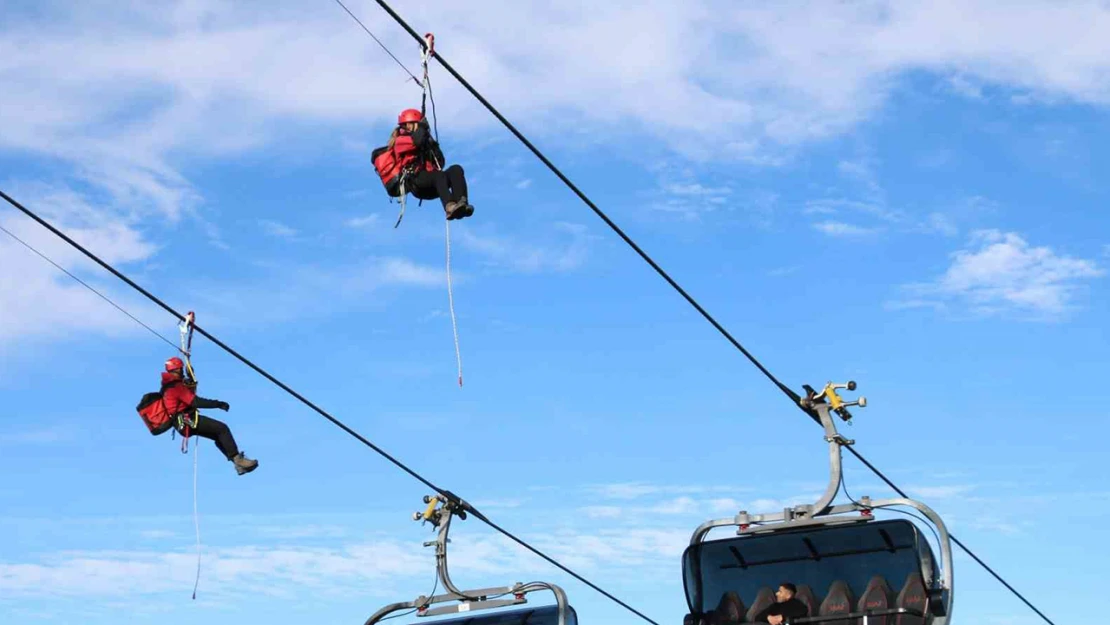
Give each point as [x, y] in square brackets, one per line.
[888, 194]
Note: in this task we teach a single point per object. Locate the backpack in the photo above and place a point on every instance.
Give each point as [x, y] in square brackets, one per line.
[152, 410]
[387, 166]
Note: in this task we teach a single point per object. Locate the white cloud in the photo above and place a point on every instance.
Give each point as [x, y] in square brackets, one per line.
[277, 570]
[603, 512]
[778, 272]
[679, 505]
[725, 505]
[1002, 272]
[368, 221]
[135, 92]
[304, 287]
[940, 492]
[39, 301]
[940, 223]
[266, 570]
[506, 252]
[637, 490]
[524, 184]
[405, 272]
[277, 229]
[42, 436]
[841, 229]
[786, 72]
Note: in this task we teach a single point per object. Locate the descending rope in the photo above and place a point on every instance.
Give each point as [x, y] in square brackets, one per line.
[451, 303]
[196, 517]
[794, 397]
[427, 50]
[362, 439]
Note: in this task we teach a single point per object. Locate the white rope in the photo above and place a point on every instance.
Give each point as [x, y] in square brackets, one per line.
[451, 302]
[196, 517]
[186, 331]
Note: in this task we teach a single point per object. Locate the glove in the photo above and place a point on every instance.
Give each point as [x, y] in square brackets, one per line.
[224, 406]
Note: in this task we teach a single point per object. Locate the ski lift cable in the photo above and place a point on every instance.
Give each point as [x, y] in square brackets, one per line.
[794, 397]
[423, 480]
[962, 546]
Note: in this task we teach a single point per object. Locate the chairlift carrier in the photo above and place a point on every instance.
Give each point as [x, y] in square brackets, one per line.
[441, 509]
[842, 546]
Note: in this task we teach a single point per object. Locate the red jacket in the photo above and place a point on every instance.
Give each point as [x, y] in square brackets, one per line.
[392, 162]
[178, 397]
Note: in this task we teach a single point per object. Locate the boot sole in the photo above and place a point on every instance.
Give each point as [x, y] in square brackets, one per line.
[245, 470]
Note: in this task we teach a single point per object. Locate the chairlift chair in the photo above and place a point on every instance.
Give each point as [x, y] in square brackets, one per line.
[849, 567]
[472, 605]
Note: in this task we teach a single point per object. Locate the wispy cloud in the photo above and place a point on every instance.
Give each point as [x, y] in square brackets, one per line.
[636, 490]
[782, 271]
[841, 229]
[43, 436]
[332, 569]
[503, 251]
[277, 229]
[367, 221]
[1000, 272]
[303, 287]
[680, 192]
[940, 492]
[39, 301]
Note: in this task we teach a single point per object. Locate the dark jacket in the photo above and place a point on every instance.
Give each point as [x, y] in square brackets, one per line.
[790, 609]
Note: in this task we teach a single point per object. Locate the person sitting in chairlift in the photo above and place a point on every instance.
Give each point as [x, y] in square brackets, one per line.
[786, 607]
[412, 162]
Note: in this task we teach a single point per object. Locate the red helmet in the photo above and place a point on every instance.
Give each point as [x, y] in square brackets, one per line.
[174, 364]
[409, 115]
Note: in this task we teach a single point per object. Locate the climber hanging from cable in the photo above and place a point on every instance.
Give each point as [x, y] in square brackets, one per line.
[177, 406]
[412, 162]
[179, 393]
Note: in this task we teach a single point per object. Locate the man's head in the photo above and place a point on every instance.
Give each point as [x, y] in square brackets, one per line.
[786, 592]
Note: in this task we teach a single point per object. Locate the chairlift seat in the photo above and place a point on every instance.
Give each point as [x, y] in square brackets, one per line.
[815, 557]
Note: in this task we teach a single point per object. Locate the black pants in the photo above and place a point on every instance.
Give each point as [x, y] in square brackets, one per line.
[448, 185]
[215, 430]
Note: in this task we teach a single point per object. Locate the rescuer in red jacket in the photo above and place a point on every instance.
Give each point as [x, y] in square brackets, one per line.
[181, 398]
[413, 155]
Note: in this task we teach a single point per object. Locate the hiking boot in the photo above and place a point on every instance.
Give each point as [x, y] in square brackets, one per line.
[244, 464]
[453, 210]
[467, 210]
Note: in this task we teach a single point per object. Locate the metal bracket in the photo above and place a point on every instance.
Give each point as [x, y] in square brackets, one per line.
[440, 510]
